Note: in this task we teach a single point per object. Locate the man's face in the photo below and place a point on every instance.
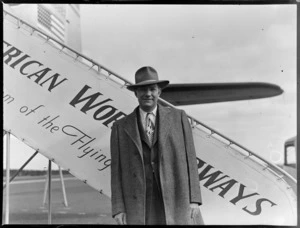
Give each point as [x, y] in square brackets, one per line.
[148, 96]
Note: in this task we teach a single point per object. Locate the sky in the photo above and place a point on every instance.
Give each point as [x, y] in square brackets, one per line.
[202, 44]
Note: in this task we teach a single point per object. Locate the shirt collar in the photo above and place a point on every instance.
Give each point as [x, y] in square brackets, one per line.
[144, 114]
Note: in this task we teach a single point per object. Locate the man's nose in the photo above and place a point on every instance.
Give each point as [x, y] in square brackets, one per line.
[148, 92]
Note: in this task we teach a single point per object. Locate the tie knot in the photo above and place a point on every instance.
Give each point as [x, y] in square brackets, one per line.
[150, 116]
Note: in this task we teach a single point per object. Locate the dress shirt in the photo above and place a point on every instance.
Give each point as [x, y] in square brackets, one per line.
[143, 116]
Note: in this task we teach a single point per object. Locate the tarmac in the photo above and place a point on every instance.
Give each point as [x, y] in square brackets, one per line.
[84, 204]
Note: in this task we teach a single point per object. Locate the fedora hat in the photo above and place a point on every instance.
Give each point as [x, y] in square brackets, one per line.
[147, 76]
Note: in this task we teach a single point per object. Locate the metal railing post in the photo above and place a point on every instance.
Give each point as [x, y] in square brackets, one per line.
[45, 190]
[49, 193]
[63, 187]
[7, 177]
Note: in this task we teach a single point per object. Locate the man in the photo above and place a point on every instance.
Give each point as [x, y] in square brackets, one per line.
[154, 177]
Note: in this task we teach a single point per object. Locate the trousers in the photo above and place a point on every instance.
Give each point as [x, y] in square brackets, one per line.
[155, 212]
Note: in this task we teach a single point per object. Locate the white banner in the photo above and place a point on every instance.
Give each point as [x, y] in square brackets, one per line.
[65, 110]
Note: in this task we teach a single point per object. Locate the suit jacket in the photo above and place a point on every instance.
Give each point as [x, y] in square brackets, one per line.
[177, 167]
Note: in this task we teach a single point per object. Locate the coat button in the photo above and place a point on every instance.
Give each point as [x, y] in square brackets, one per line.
[134, 197]
[134, 175]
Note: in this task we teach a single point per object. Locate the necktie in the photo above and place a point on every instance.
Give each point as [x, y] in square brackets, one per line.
[149, 127]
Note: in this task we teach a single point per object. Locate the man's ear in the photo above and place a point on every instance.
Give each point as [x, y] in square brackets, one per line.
[159, 91]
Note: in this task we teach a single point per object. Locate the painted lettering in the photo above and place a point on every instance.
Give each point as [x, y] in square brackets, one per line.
[80, 135]
[86, 152]
[101, 155]
[103, 108]
[227, 185]
[105, 112]
[53, 82]
[258, 206]
[8, 98]
[212, 178]
[200, 163]
[241, 196]
[16, 57]
[11, 53]
[224, 186]
[114, 118]
[28, 64]
[90, 99]
[18, 61]
[39, 74]
[105, 164]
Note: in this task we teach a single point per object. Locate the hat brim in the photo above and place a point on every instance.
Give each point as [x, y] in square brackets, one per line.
[162, 84]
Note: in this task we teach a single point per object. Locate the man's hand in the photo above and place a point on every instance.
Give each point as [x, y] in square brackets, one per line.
[196, 214]
[121, 218]
[195, 209]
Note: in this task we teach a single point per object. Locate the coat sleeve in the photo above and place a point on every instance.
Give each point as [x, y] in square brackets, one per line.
[195, 194]
[117, 199]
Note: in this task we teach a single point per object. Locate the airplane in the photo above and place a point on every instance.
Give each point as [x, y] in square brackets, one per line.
[51, 19]
[71, 113]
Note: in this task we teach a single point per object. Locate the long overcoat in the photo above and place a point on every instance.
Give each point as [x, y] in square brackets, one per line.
[177, 167]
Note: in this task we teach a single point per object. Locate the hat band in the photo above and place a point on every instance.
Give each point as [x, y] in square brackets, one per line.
[146, 81]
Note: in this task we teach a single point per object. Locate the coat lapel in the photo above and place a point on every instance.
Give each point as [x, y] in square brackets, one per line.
[164, 123]
[132, 129]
